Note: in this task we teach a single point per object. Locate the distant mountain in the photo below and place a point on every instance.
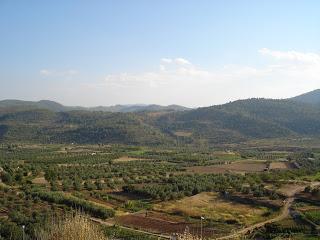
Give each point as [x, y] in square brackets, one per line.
[50, 122]
[43, 104]
[242, 120]
[139, 108]
[57, 107]
[310, 97]
[44, 126]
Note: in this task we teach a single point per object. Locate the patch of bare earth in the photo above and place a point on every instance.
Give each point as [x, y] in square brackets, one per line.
[280, 165]
[128, 159]
[230, 167]
[211, 206]
[155, 224]
[183, 134]
[40, 179]
[289, 190]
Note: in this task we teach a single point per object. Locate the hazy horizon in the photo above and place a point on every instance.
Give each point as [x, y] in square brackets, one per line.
[138, 104]
[189, 53]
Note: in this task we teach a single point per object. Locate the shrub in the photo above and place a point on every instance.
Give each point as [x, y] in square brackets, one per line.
[73, 227]
[72, 201]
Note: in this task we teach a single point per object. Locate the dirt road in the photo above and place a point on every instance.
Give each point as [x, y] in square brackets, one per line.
[285, 211]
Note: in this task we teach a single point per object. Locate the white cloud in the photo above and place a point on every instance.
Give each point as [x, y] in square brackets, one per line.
[171, 71]
[166, 60]
[179, 81]
[182, 61]
[162, 68]
[292, 56]
[178, 61]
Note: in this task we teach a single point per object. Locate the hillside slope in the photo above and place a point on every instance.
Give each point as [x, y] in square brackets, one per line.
[57, 107]
[228, 123]
[244, 119]
[78, 127]
[312, 97]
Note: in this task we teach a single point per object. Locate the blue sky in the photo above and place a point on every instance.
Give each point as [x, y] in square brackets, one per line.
[194, 53]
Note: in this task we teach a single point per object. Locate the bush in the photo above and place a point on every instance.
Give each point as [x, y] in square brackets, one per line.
[71, 201]
[77, 227]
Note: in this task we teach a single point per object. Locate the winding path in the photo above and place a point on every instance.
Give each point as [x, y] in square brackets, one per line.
[285, 211]
[283, 215]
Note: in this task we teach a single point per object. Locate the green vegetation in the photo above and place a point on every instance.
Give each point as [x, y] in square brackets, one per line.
[313, 215]
[129, 185]
[235, 164]
[61, 198]
[126, 234]
[229, 123]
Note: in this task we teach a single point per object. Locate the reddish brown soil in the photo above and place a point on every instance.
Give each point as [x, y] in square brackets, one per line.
[233, 167]
[280, 165]
[160, 225]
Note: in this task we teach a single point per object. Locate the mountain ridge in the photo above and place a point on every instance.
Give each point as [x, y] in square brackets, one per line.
[233, 122]
[57, 107]
[312, 97]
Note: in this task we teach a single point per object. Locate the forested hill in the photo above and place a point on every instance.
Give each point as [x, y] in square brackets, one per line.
[43, 126]
[310, 97]
[232, 122]
[57, 107]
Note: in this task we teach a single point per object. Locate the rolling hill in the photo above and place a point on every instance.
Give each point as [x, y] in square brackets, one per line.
[245, 119]
[310, 97]
[44, 126]
[238, 121]
[57, 107]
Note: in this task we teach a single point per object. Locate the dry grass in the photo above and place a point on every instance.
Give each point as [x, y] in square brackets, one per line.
[40, 180]
[183, 134]
[280, 165]
[290, 190]
[73, 227]
[127, 159]
[211, 206]
[186, 236]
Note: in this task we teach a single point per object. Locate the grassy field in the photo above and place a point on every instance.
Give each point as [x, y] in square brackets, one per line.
[211, 206]
[315, 177]
[313, 215]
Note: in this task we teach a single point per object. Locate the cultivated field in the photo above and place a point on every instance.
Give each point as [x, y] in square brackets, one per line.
[221, 216]
[147, 189]
[280, 165]
[211, 206]
[183, 134]
[237, 167]
[290, 189]
[127, 159]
